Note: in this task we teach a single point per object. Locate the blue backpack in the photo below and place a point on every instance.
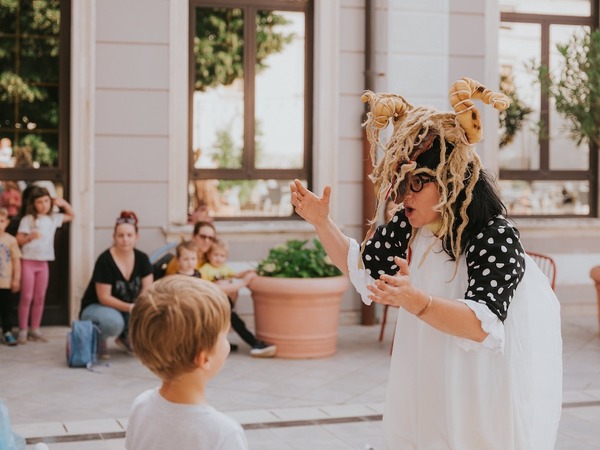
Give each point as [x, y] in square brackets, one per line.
[82, 344]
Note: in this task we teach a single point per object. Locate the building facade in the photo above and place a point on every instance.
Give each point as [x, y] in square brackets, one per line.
[129, 126]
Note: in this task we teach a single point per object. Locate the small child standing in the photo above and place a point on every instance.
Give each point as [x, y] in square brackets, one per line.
[36, 238]
[10, 277]
[178, 330]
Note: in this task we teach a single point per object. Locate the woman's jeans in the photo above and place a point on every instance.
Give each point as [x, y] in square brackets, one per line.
[110, 321]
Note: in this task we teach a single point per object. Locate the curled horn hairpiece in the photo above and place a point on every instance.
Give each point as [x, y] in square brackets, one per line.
[384, 107]
[461, 94]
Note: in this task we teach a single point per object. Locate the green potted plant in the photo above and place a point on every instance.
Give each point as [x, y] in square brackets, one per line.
[295, 260]
[297, 296]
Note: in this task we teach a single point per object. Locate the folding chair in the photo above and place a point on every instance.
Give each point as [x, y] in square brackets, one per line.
[546, 265]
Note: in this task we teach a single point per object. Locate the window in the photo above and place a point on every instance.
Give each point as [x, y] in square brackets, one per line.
[250, 106]
[543, 172]
[33, 86]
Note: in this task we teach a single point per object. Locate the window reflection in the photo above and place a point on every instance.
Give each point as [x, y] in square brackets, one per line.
[546, 197]
[239, 198]
[250, 126]
[29, 81]
[563, 7]
[279, 127]
[519, 44]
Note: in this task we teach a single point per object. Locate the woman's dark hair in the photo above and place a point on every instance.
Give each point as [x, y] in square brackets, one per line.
[35, 193]
[203, 223]
[485, 205]
[127, 217]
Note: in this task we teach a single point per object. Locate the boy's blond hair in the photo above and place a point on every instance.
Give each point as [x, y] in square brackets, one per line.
[3, 212]
[174, 320]
[188, 245]
[218, 244]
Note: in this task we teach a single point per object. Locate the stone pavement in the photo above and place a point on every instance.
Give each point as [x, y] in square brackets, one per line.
[332, 403]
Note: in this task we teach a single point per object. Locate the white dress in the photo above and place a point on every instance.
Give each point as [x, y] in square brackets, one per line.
[446, 392]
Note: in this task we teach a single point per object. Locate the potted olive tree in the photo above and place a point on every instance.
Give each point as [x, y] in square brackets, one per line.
[297, 296]
[575, 89]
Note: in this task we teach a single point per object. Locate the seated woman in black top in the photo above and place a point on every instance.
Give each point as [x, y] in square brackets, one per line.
[120, 275]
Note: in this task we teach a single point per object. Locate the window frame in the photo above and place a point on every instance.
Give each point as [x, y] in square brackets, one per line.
[545, 173]
[248, 171]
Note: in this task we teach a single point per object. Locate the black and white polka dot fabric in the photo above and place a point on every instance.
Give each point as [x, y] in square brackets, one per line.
[495, 259]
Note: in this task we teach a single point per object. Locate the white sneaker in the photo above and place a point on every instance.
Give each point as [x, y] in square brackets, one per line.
[22, 338]
[262, 350]
[36, 336]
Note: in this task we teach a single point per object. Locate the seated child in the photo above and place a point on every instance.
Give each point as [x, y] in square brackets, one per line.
[187, 260]
[216, 269]
[178, 328]
[186, 254]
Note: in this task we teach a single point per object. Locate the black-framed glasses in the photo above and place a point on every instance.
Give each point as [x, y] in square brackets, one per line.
[206, 237]
[415, 183]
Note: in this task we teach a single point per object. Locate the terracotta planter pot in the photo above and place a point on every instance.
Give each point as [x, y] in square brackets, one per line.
[299, 315]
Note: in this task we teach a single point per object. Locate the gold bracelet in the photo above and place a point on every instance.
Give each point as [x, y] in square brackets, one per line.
[426, 308]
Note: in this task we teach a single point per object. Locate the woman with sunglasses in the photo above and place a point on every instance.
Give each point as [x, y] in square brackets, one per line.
[476, 361]
[204, 235]
[121, 274]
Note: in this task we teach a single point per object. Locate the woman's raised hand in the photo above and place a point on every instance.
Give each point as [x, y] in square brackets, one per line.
[309, 206]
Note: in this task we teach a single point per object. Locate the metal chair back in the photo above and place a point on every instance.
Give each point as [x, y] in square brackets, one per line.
[546, 264]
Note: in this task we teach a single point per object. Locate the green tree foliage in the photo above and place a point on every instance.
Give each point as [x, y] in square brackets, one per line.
[515, 116]
[576, 88]
[29, 58]
[13, 86]
[219, 44]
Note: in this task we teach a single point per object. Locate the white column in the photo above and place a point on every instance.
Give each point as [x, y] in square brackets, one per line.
[326, 97]
[178, 112]
[83, 61]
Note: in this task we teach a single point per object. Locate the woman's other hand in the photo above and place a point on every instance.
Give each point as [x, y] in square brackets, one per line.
[397, 290]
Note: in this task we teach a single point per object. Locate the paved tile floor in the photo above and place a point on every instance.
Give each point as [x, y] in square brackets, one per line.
[332, 403]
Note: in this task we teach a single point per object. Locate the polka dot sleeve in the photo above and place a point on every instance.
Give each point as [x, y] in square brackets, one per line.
[388, 241]
[495, 266]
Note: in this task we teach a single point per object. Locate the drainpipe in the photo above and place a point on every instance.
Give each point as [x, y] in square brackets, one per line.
[368, 198]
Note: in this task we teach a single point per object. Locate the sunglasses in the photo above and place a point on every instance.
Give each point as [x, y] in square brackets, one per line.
[205, 237]
[129, 220]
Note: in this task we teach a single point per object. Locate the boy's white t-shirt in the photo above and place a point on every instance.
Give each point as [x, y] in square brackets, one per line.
[157, 424]
[41, 249]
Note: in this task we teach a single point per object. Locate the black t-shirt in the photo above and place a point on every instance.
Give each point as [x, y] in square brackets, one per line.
[107, 272]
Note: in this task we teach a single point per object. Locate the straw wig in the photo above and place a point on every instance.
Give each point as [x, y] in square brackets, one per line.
[440, 143]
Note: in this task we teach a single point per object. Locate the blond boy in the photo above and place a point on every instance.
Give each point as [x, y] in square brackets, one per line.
[178, 330]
